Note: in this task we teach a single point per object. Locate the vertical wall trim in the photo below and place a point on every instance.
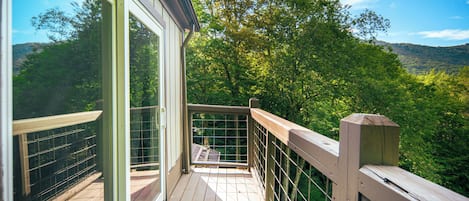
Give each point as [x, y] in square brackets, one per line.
[109, 100]
[164, 115]
[6, 115]
[122, 101]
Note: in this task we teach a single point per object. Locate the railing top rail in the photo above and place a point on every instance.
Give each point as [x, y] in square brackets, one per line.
[376, 182]
[51, 122]
[320, 151]
[286, 131]
[218, 109]
[144, 108]
[395, 183]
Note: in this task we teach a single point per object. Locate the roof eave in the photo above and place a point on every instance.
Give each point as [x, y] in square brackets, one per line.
[183, 12]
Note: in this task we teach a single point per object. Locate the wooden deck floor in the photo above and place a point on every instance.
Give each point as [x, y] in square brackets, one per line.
[213, 184]
[144, 186]
[209, 184]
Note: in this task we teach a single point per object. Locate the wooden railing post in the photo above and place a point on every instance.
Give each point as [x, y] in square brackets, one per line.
[99, 145]
[24, 163]
[364, 139]
[253, 103]
[269, 167]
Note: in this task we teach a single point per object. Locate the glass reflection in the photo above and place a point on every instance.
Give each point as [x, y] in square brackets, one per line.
[144, 112]
[57, 70]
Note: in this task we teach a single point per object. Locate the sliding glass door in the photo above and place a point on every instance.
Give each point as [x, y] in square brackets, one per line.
[98, 64]
[146, 89]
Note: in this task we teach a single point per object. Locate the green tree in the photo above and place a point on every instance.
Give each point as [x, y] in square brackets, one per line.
[66, 75]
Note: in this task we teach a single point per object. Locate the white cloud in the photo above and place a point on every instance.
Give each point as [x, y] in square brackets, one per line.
[393, 5]
[359, 4]
[447, 34]
[456, 17]
[23, 32]
[354, 2]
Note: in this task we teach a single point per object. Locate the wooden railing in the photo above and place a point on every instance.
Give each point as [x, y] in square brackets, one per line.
[363, 166]
[219, 135]
[56, 145]
[290, 161]
[58, 139]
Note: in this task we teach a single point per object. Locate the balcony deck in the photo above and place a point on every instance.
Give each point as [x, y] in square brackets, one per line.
[140, 187]
[209, 184]
[213, 184]
[292, 162]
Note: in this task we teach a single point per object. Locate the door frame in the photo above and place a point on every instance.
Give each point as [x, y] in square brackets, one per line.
[6, 101]
[139, 11]
[116, 95]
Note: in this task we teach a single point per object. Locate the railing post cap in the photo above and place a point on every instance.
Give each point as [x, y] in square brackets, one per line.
[254, 103]
[369, 119]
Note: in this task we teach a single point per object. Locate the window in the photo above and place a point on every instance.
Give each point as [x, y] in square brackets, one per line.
[145, 140]
[56, 77]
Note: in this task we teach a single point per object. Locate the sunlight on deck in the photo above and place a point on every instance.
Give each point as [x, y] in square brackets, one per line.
[209, 184]
[140, 188]
[213, 184]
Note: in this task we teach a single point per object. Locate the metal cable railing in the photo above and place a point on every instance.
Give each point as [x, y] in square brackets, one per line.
[144, 138]
[294, 178]
[225, 134]
[259, 153]
[56, 159]
[219, 135]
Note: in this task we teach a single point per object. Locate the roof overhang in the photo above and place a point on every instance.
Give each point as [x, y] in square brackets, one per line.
[183, 13]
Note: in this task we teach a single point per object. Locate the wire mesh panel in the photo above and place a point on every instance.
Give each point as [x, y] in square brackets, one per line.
[222, 136]
[259, 152]
[144, 132]
[58, 159]
[294, 178]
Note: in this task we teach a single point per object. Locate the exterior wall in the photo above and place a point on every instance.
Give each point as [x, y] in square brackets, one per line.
[173, 75]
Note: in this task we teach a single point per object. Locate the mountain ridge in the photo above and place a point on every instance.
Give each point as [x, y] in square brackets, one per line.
[21, 51]
[419, 59]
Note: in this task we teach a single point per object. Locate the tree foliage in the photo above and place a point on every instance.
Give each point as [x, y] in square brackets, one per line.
[65, 76]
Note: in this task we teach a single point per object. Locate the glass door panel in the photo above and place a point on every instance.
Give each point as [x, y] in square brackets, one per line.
[145, 141]
[57, 76]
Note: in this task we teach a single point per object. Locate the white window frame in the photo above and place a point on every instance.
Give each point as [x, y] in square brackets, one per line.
[6, 115]
[141, 13]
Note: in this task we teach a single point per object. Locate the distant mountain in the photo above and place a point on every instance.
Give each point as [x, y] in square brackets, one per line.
[416, 59]
[420, 59]
[20, 51]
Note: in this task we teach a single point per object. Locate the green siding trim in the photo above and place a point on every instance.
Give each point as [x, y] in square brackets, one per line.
[109, 90]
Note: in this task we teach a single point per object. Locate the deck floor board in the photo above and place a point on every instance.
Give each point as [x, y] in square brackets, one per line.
[208, 184]
[217, 184]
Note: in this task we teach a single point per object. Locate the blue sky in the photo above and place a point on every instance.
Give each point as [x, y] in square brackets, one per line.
[24, 10]
[427, 22]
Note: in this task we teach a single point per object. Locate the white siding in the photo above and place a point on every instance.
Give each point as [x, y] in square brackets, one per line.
[172, 37]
